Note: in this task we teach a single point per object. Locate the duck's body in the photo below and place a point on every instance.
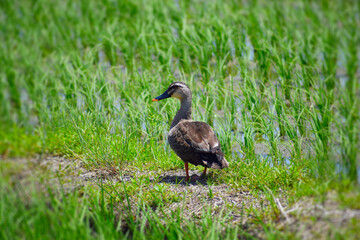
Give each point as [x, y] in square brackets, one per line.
[194, 142]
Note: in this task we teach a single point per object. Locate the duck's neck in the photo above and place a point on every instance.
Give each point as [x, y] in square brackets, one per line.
[183, 113]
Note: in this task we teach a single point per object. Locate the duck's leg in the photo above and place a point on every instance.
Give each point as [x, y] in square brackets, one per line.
[204, 172]
[187, 171]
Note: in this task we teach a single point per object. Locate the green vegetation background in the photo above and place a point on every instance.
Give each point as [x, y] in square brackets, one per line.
[77, 79]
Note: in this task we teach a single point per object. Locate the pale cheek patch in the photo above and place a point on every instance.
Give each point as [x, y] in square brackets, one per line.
[176, 95]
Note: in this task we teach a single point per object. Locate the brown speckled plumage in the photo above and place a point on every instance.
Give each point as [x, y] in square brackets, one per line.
[194, 142]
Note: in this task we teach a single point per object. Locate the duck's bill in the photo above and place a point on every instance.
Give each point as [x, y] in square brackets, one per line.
[162, 96]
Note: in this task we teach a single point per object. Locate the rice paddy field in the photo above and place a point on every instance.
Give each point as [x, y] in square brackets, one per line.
[84, 151]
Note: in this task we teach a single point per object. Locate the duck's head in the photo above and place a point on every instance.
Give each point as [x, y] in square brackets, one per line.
[177, 90]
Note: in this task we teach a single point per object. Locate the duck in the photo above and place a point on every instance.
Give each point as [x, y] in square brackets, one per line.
[194, 142]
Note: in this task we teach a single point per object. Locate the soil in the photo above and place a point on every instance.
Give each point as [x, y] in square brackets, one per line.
[306, 219]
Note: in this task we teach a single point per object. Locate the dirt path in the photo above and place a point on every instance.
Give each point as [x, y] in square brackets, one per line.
[306, 219]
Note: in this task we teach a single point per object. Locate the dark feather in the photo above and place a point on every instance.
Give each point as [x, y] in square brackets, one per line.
[196, 143]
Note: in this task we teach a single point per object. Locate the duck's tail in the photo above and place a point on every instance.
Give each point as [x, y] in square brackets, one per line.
[223, 162]
[216, 161]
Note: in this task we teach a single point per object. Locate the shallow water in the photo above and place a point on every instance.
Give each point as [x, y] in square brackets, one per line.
[261, 143]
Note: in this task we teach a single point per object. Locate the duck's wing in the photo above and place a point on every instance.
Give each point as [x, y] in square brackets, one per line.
[196, 143]
[200, 137]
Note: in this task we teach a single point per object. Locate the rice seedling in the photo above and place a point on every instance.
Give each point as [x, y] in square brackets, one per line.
[277, 81]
